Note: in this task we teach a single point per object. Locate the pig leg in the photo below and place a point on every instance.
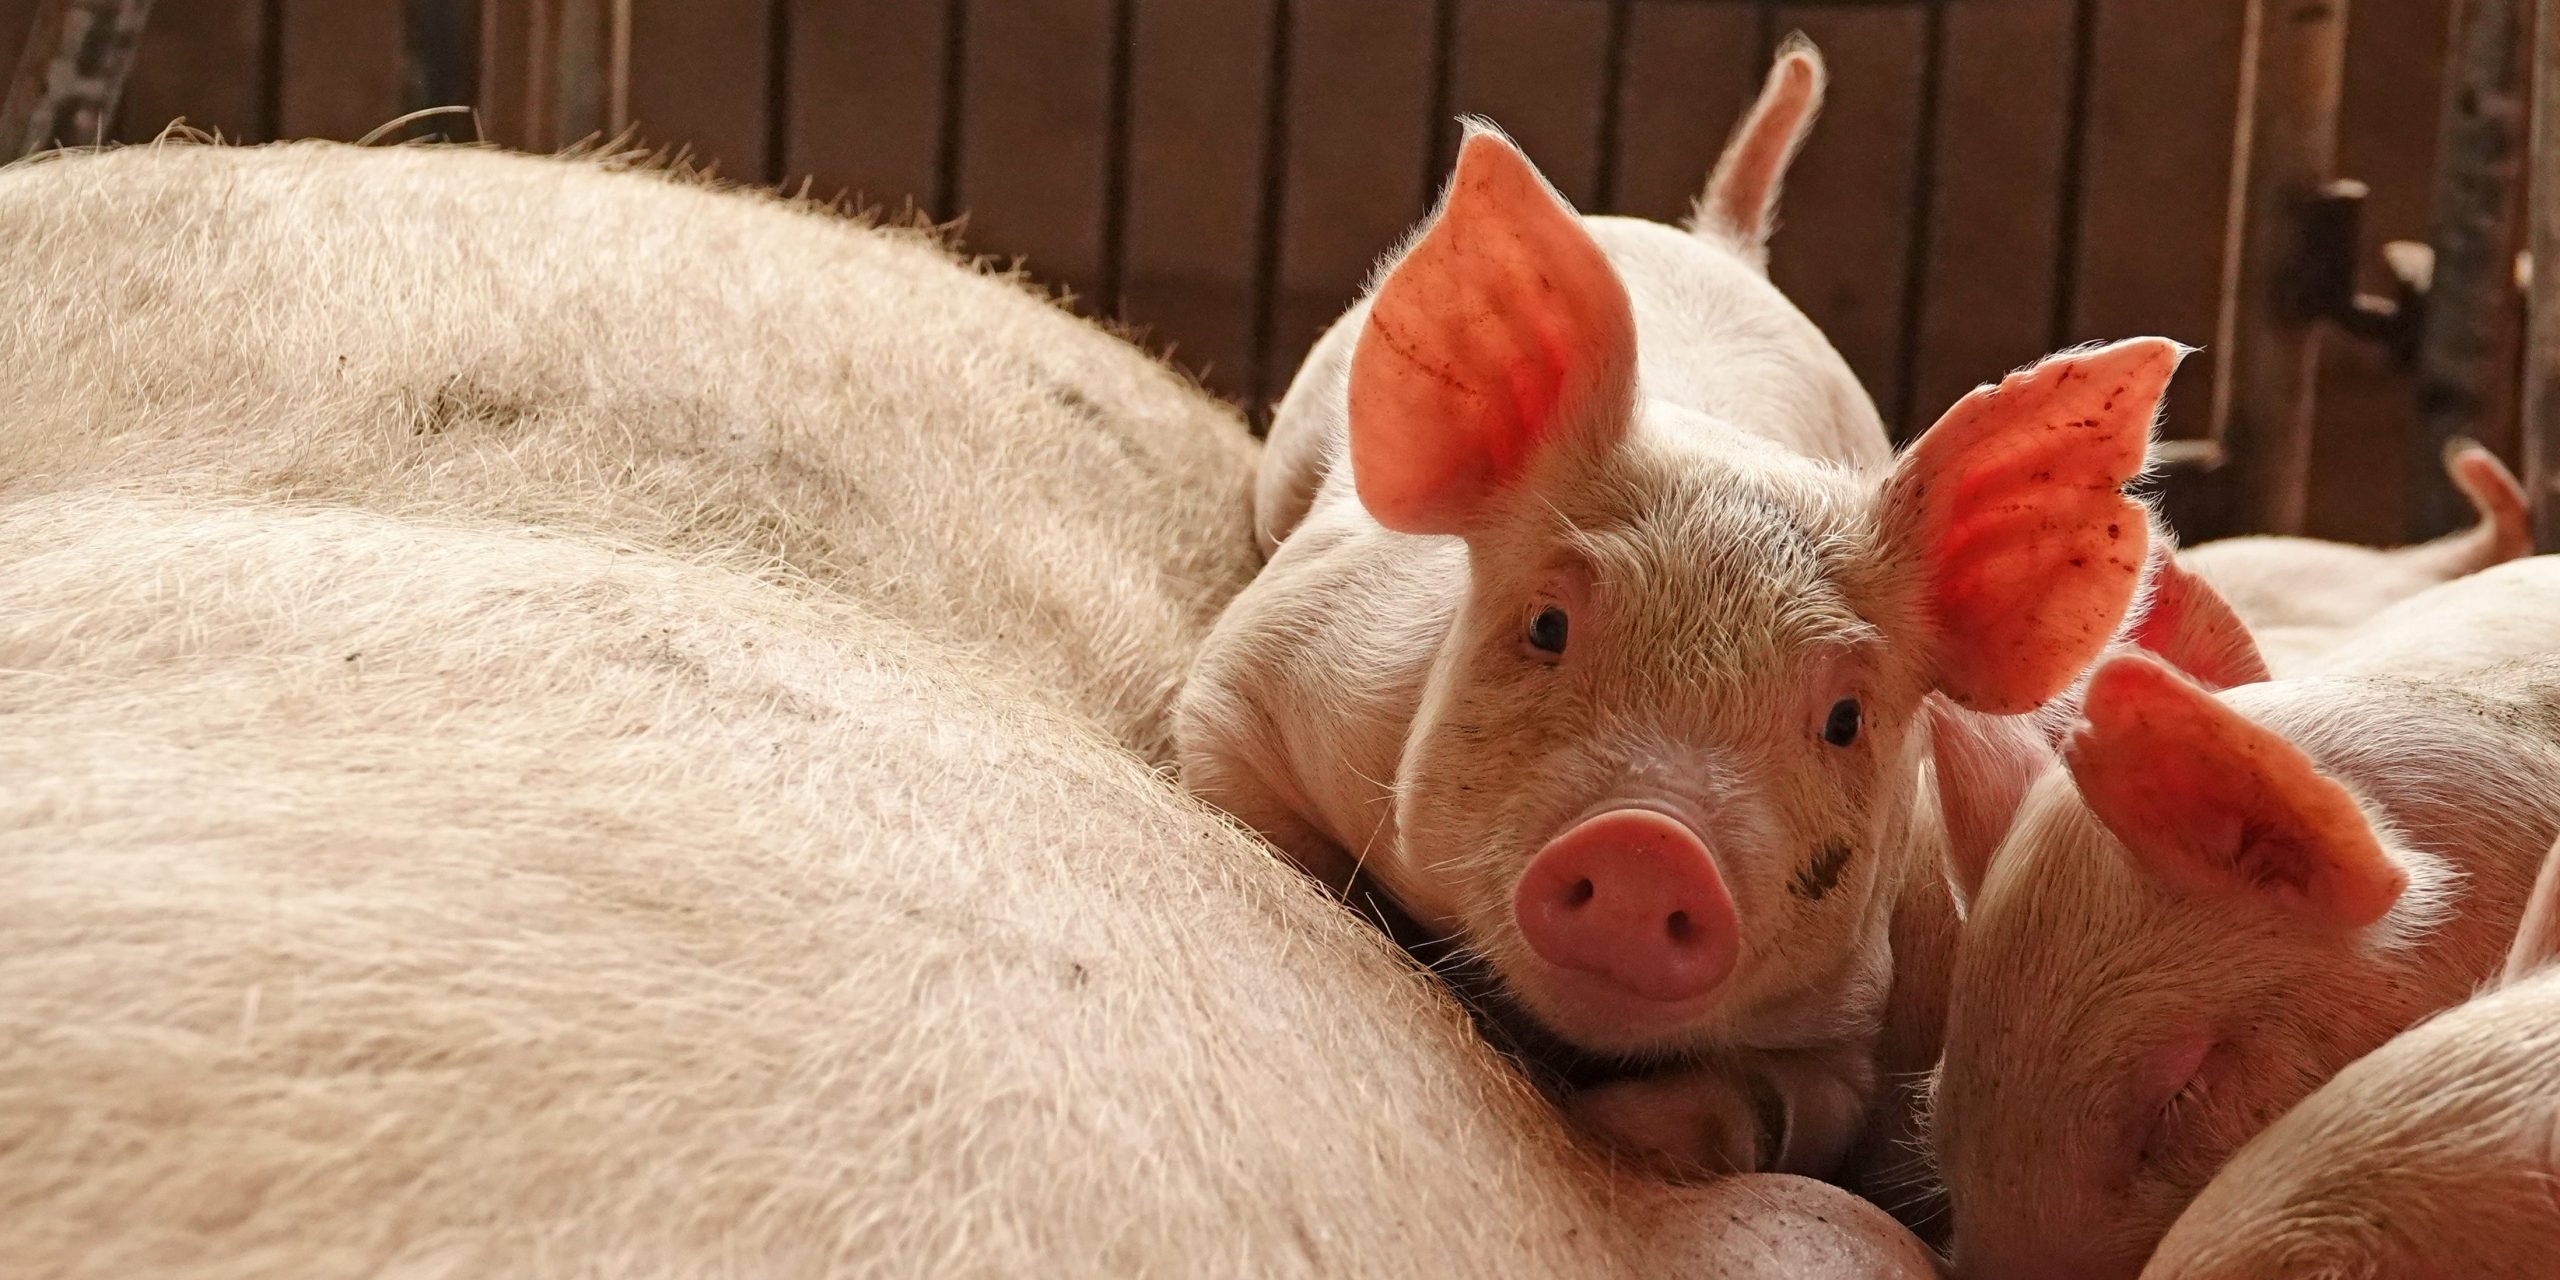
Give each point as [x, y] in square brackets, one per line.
[1790, 1111]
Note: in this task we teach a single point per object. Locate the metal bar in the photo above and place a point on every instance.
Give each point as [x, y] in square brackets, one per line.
[2478, 140]
[70, 74]
[2293, 58]
[2542, 291]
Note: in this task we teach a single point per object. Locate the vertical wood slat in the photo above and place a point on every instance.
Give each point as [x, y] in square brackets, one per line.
[1692, 69]
[2541, 394]
[343, 67]
[2264, 390]
[442, 55]
[1034, 172]
[702, 79]
[555, 73]
[1994, 233]
[2479, 134]
[2153, 185]
[1536, 68]
[1193, 201]
[204, 61]
[1848, 201]
[873, 87]
[1358, 129]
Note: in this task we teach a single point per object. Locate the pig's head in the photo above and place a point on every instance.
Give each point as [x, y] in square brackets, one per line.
[2431, 1156]
[1671, 728]
[2187, 929]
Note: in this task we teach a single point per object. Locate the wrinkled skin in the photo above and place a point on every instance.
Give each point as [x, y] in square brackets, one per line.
[2122, 1018]
[586, 737]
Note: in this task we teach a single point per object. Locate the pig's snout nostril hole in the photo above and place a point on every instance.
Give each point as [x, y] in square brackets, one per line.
[1678, 926]
[1580, 893]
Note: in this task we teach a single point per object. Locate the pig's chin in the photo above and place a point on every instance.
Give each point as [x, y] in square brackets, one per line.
[1600, 1018]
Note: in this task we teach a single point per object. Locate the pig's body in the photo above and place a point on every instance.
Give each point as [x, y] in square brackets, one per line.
[677, 825]
[399, 337]
[2125, 1016]
[2437, 1154]
[2302, 596]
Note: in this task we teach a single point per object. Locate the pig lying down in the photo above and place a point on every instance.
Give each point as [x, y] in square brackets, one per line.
[2216, 902]
[2298, 594]
[2437, 1154]
[614, 820]
[1603, 641]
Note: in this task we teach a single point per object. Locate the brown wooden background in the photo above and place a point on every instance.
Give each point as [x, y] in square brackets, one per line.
[1991, 179]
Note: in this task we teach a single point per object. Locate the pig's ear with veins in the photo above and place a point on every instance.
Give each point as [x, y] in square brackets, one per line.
[2011, 510]
[2537, 941]
[1503, 340]
[1742, 195]
[2211, 803]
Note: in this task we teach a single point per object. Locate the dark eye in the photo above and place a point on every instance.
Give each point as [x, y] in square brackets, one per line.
[1547, 630]
[1840, 728]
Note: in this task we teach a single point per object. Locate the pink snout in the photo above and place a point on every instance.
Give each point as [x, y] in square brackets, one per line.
[1632, 899]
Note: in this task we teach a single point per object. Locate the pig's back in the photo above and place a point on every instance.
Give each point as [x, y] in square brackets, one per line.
[557, 343]
[1714, 336]
[2496, 616]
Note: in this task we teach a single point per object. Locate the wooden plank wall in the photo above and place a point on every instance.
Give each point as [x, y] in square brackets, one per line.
[1991, 179]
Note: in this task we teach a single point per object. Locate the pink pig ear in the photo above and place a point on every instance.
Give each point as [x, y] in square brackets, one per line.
[2537, 941]
[2013, 506]
[1742, 194]
[2210, 802]
[2194, 628]
[1502, 335]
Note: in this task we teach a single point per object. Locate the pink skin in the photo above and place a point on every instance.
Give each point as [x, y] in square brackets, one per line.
[1624, 426]
[1630, 904]
[2217, 901]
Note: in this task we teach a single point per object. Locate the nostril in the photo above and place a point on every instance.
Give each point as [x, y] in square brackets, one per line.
[1632, 899]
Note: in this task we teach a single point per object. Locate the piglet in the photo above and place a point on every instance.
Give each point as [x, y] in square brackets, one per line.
[1601, 642]
[2435, 1155]
[2218, 901]
[2299, 595]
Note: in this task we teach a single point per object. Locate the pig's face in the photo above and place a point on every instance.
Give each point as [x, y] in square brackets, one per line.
[1682, 637]
[2180, 938]
[1668, 728]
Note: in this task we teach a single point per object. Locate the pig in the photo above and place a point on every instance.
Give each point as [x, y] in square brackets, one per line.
[2298, 595]
[431, 847]
[2434, 1155]
[596, 403]
[2212, 903]
[424, 895]
[1601, 644]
